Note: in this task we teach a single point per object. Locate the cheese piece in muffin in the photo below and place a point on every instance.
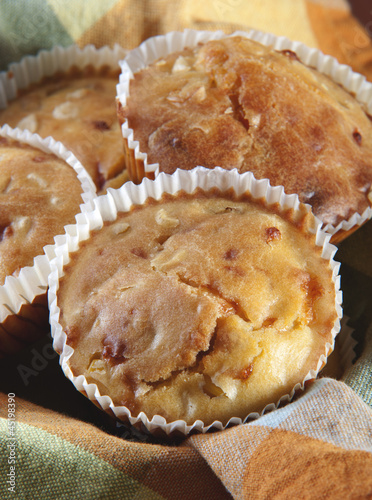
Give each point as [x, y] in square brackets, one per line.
[78, 109]
[235, 103]
[34, 207]
[199, 306]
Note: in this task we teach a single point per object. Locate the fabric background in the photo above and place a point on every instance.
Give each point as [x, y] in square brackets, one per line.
[319, 446]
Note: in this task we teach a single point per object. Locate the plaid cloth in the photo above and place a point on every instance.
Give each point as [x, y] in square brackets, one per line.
[312, 448]
[27, 26]
[56, 444]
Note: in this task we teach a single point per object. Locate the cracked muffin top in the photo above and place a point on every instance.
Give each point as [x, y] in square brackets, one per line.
[235, 103]
[199, 306]
[34, 203]
[78, 109]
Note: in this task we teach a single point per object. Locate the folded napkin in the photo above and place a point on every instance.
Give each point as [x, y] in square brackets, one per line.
[317, 447]
[54, 443]
[27, 26]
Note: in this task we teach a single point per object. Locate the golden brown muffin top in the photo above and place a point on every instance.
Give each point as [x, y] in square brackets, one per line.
[197, 307]
[235, 103]
[77, 108]
[39, 194]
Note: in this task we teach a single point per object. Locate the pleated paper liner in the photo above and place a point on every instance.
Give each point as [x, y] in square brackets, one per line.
[24, 314]
[344, 353]
[160, 46]
[107, 208]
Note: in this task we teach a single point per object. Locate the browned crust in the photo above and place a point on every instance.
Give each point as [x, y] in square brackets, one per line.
[312, 137]
[73, 73]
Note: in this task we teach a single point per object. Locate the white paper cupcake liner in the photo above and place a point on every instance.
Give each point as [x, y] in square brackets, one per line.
[347, 345]
[31, 69]
[344, 353]
[107, 207]
[160, 46]
[33, 280]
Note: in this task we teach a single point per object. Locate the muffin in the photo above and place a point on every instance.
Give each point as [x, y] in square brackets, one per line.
[235, 103]
[77, 107]
[34, 207]
[200, 305]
